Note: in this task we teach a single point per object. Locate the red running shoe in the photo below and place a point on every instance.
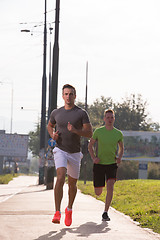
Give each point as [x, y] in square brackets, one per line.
[68, 217]
[57, 217]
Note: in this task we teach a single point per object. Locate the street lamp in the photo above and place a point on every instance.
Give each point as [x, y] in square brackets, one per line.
[53, 83]
[54, 86]
[43, 106]
[86, 140]
[25, 30]
[50, 76]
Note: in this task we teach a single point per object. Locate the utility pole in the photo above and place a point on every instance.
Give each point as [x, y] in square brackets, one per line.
[54, 86]
[50, 168]
[86, 140]
[50, 75]
[43, 106]
[86, 106]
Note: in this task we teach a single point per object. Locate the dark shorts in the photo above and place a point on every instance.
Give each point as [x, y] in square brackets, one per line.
[102, 173]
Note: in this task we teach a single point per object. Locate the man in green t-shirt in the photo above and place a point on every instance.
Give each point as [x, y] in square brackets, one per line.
[109, 143]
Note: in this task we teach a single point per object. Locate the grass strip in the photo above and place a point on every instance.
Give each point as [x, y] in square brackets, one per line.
[6, 178]
[139, 199]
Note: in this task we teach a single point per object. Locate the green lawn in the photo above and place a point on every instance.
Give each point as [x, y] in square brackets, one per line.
[6, 178]
[139, 199]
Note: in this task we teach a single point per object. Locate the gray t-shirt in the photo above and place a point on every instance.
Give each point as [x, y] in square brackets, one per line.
[68, 141]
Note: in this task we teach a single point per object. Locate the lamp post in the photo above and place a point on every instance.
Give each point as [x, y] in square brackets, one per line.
[54, 85]
[49, 169]
[86, 140]
[43, 106]
[50, 75]
[54, 81]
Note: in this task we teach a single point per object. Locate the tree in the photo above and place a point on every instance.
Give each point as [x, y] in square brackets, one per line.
[96, 110]
[34, 140]
[131, 114]
[155, 126]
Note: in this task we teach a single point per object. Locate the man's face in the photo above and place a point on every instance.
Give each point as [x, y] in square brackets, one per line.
[69, 96]
[109, 119]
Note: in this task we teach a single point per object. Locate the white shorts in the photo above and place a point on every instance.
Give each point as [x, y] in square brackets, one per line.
[71, 161]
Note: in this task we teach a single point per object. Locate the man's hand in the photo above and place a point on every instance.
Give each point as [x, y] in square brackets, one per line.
[96, 160]
[118, 160]
[71, 128]
[55, 135]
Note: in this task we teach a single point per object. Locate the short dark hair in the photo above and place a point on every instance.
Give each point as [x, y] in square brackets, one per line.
[69, 86]
[108, 111]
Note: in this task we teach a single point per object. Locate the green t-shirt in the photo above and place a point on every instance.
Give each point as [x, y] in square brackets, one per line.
[107, 144]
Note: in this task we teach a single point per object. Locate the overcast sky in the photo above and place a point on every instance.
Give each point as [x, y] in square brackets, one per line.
[120, 39]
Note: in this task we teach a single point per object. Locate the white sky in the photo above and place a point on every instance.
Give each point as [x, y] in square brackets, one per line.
[120, 39]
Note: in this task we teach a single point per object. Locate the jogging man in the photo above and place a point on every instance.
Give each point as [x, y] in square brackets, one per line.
[71, 123]
[107, 138]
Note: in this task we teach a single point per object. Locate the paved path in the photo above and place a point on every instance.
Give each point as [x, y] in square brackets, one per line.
[17, 185]
[26, 211]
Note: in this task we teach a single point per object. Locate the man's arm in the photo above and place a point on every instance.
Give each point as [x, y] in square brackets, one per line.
[91, 151]
[86, 130]
[120, 152]
[51, 131]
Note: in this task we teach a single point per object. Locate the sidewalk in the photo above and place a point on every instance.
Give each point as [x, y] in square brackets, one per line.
[26, 211]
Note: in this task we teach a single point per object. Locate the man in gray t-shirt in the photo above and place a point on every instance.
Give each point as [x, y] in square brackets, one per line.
[69, 141]
[71, 123]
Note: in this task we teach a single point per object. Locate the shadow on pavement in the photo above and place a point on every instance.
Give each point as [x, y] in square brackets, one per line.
[20, 193]
[84, 230]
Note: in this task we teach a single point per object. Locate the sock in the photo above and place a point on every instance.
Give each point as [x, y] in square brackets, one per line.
[69, 209]
[58, 211]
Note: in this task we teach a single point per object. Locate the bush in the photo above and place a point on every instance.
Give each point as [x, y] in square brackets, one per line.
[6, 178]
[128, 170]
[154, 171]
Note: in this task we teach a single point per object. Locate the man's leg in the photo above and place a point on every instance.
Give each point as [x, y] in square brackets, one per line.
[110, 187]
[58, 190]
[98, 190]
[72, 191]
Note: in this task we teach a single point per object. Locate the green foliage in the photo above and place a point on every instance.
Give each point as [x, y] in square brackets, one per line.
[96, 110]
[5, 179]
[140, 199]
[34, 141]
[127, 170]
[155, 126]
[131, 114]
[154, 171]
